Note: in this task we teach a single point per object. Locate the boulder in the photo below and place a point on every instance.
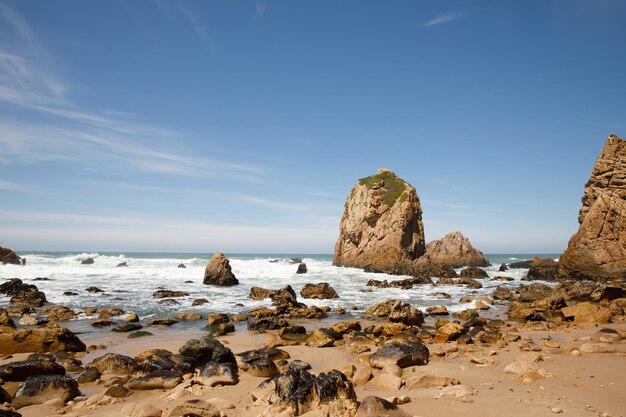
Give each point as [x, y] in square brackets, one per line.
[454, 250]
[521, 264]
[218, 271]
[169, 294]
[267, 323]
[587, 313]
[381, 226]
[400, 352]
[301, 269]
[321, 291]
[264, 368]
[405, 313]
[300, 392]
[182, 266]
[156, 360]
[544, 269]
[7, 256]
[378, 407]
[39, 389]
[127, 327]
[121, 265]
[57, 313]
[20, 370]
[258, 293]
[214, 373]
[88, 261]
[503, 268]
[141, 409]
[448, 332]
[22, 294]
[205, 350]
[115, 364]
[598, 249]
[5, 319]
[47, 339]
[473, 272]
[156, 380]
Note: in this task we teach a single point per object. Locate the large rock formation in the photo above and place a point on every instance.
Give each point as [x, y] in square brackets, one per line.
[598, 249]
[381, 227]
[455, 250]
[218, 271]
[7, 256]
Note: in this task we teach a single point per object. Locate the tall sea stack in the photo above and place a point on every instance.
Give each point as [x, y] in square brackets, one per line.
[598, 249]
[381, 228]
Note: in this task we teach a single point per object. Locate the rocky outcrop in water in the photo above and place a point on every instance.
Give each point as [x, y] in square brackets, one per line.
[598, 249]
[219, 272]
[7, 256]
[381, 227]
[455, 250]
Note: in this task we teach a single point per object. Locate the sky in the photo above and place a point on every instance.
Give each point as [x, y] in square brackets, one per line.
[241, 126]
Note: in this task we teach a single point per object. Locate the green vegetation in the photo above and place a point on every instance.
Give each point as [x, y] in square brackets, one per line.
[394, 187]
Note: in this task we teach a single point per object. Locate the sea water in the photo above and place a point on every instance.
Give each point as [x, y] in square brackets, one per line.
[130, 288]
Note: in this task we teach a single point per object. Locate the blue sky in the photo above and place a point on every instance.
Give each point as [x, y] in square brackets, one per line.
[241, 126]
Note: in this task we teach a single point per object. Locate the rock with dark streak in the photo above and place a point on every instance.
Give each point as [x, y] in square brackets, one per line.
[39, 389]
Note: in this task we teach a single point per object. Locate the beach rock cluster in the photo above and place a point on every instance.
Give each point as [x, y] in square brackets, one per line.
[22, 294]
[598, 249]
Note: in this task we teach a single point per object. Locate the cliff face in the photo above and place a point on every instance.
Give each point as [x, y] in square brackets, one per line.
[455, 250]
[381, 227]
[598, 249]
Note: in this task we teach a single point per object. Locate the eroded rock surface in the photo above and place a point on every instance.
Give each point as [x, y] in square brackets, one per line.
[381, 227]
[598, 249]
[219, 272]
[455, 250]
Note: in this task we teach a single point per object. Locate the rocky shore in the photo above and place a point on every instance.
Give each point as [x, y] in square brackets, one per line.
[548, 349]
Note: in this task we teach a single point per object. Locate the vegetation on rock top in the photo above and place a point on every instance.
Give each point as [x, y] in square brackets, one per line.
[393, 185]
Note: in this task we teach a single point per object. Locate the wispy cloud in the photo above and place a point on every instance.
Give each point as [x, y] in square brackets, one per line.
[444, 18]
[7, 185]
[260, 9]
[85, 137]
[174, 10]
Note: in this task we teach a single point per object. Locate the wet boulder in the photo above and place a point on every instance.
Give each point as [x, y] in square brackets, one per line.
[299, 391]
[89, 375]
[215, 373]
[169, 294]
[258, 293]
[7, 256]
[503, 268]
[156, 380]
[264, 368]
[39, 389]
[321, 291]
[378, 407]
[400, 352]
[88, 261]
[5, 319]
[218, 272]
[473, 272]
[20, 370]
[57, 313]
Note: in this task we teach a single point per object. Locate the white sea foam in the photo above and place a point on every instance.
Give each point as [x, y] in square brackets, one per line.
[131, 287]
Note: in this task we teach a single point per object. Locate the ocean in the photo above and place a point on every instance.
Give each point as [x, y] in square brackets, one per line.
[131, 287]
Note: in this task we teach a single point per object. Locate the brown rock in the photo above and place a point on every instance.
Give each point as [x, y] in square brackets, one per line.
[405, 313]
[544, 269]
[378, 407]
[47, 339]
[381, 226]
[258, 293]
[587, 313]
[598, 249]
[321, 291]
[448, 332]
[430, 381]
[218, 271]
[454, 250]
[7, 256]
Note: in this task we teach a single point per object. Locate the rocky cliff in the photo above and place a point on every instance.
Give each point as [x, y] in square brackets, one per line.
[598, 249]
[455, 250]
[381, 227]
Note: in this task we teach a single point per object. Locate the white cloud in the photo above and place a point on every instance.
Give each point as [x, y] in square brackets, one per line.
[7, 185]
[444, 18]
[88, 138]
